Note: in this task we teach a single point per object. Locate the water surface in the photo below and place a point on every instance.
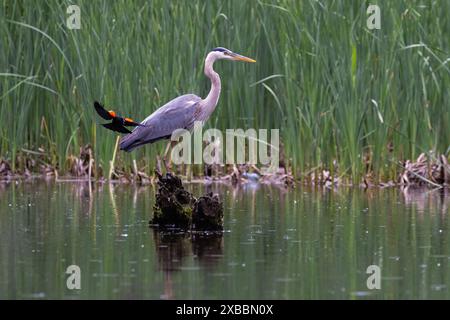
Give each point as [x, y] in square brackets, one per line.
[277, 244]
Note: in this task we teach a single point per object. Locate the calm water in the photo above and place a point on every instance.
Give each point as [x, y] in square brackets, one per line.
[297, 244]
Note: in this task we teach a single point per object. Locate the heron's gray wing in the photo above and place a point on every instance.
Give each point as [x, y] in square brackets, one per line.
[178, 113]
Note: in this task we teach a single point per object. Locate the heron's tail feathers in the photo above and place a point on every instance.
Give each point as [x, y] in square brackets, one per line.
[129, 142]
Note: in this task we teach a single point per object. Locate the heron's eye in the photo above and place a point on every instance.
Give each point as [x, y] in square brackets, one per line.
[226, 53]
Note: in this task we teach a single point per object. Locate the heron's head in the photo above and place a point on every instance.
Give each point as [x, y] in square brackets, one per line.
[223, 53]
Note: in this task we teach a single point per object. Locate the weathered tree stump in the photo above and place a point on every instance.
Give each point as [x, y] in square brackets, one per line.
[208, 213]
[176, 207]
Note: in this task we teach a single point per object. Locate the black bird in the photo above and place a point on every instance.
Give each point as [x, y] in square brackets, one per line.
[118, 123]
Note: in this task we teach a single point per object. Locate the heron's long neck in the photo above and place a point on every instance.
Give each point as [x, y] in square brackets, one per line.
[213, 96]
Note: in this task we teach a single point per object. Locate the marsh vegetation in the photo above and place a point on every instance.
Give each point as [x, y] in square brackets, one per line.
[351, 103]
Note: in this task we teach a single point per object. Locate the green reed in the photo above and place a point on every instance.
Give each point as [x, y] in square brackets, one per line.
[344, 97]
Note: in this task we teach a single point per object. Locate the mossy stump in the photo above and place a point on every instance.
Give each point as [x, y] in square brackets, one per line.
[208, 213]
[176, 207]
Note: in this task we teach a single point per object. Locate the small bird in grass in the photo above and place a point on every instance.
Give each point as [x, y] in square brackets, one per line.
[118, 123]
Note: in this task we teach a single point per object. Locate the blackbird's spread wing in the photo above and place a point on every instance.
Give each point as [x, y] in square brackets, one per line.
[116, 127]
[102, 112]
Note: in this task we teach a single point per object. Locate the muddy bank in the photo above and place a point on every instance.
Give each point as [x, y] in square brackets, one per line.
[423, 171]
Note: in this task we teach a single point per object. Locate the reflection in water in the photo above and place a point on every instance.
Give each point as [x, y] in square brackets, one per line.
[423, 198]
[208, 248]
[173, 248]
[277, 244]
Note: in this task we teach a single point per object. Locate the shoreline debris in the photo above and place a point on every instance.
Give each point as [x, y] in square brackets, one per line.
[428, 169]
[424, 171]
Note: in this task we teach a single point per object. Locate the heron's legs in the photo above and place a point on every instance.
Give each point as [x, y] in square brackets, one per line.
[168, 153]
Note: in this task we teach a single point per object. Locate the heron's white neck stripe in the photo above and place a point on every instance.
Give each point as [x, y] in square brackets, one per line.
[211, 100]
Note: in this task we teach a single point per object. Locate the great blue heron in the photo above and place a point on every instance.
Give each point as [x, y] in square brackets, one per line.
[181, 112]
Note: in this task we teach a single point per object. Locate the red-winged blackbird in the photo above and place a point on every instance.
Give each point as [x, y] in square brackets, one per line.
[118, 123]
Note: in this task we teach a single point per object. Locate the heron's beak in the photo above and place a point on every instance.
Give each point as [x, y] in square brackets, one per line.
[238, 57]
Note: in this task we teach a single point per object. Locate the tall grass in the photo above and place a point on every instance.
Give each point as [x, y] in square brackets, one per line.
[340, 93]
